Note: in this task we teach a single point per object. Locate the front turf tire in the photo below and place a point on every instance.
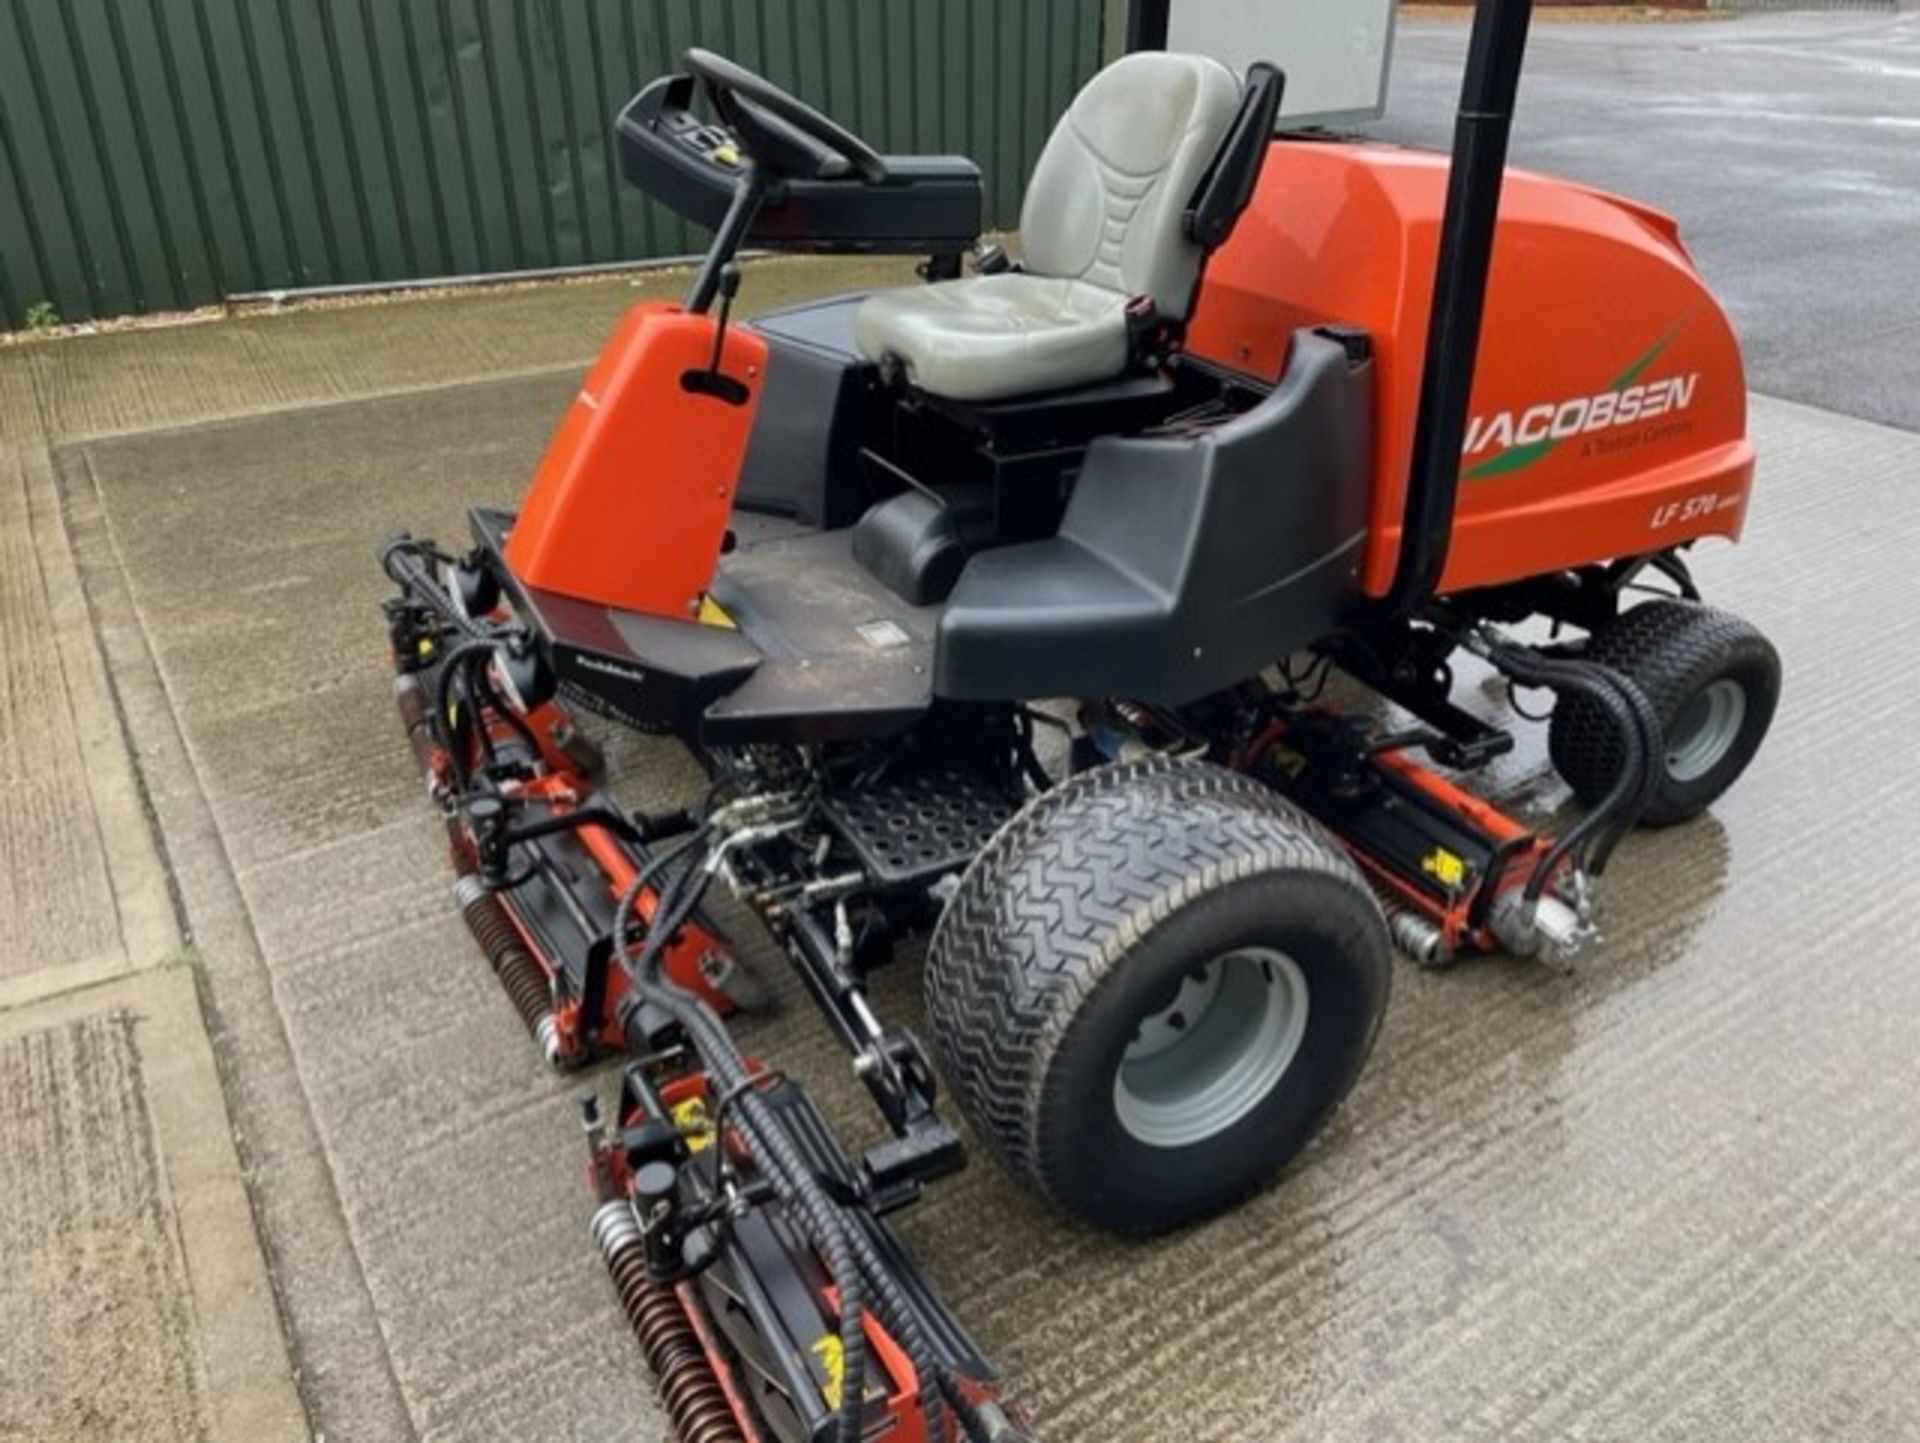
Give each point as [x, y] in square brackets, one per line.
[1714, 682]
[1060, 976]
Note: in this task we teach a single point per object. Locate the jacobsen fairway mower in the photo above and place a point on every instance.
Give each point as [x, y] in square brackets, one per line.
[995, 609]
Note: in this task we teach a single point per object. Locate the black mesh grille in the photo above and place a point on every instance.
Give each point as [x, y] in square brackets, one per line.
[919, 825]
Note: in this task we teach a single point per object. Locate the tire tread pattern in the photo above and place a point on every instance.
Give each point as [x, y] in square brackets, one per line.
[1058, 897]
[1663, 646]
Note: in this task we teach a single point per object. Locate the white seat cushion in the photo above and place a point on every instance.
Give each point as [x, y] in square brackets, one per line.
[1102, 223]
[989, 337]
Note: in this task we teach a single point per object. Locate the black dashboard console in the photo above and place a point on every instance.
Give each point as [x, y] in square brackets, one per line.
[928, 205]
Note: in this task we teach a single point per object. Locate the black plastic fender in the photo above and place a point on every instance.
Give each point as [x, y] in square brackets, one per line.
[1184, 563]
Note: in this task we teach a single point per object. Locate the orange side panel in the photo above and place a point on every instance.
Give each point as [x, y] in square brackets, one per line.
[629, 505]
[1609, 401]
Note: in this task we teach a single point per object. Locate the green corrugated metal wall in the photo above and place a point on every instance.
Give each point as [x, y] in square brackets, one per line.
[163, 153]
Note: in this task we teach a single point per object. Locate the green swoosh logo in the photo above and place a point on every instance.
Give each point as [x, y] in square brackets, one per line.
[1518, 458]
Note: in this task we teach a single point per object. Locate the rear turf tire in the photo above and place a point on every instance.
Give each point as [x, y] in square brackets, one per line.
[1059, 980]
[1714, 682]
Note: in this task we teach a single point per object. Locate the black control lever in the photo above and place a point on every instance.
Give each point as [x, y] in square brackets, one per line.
[713, 381]
[729, 288]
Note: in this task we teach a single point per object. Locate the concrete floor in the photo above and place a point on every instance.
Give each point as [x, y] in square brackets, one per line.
[137, 1304]
[1665, 1196]
[1662, 1197]
[75, 1117]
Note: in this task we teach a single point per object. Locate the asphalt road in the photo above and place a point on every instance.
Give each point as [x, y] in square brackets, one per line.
[1787, 146]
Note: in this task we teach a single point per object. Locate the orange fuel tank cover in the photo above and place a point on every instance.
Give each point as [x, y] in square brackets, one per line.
[629, 505]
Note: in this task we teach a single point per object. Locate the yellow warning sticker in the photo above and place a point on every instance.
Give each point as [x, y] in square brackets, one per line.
[1445, 867]
[833, 1363]
[691, 1118]
[712, 613]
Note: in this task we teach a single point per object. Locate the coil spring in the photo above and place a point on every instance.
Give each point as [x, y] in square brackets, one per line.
[411, 699]
[525, 984]
[420, 738]
[694, 1398]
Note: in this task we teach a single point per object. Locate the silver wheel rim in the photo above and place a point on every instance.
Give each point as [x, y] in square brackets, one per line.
[1705, 730]
[1216, 1052]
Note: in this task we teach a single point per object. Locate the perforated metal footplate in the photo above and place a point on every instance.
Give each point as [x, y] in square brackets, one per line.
[919, 825]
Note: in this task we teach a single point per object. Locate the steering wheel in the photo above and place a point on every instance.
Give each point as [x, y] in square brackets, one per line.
[734, 88]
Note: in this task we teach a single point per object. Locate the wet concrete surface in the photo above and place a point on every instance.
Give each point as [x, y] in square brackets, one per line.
[1788, 147]
[400, 1129]
[136, 1306]
[1663, 1196]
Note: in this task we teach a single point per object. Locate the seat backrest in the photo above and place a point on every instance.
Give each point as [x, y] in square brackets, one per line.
[1107, 195]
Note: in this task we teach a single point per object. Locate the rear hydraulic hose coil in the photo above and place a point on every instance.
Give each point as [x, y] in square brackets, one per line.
[1593, 838]
[693, 1396]
[521, 977]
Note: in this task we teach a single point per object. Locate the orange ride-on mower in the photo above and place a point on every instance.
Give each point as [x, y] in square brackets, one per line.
[995, 608]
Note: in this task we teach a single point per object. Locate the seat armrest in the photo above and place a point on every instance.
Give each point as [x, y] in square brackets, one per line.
[1227, 185]
[905, 170]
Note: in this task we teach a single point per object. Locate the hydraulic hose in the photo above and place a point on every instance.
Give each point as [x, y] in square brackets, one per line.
[888, 1304]
[454, 735]
[1637, 729]
[898, 1316]
[1606, 822]
[1653, 746]
[793, 1179]
[851, 1259]
[793, 1182]
[400, 558]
